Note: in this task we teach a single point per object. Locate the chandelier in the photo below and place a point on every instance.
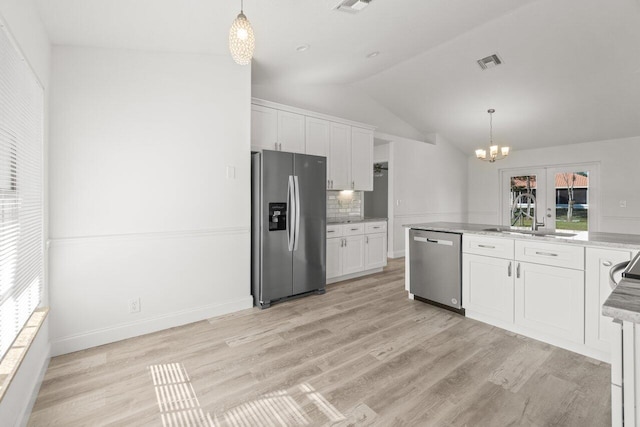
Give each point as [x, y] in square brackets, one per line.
[493, 149]
[241, 40]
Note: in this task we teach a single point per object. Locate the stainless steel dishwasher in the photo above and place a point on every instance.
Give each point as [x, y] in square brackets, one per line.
[435, 274]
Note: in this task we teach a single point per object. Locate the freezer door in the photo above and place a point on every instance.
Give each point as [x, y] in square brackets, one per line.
[277, 275]
[309, 255]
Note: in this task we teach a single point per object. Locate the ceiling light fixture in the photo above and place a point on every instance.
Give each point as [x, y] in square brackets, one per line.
[378, 169]
[493, 149]
[303, 47]
[373, 54]
[241, 40]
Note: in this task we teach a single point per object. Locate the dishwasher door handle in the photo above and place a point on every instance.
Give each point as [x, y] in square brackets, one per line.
[427, 240]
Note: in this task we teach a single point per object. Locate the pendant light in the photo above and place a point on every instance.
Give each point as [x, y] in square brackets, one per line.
[241, 40]
[493, 149]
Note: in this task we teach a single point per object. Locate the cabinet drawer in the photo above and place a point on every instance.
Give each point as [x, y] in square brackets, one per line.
[375, 227]
[334, 231]
[353, 229]
[488, 246]
[550, 254]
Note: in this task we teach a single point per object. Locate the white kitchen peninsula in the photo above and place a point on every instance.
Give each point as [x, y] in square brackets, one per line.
[547, 287]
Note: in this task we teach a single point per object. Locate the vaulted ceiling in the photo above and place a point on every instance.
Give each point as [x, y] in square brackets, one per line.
[571, 69]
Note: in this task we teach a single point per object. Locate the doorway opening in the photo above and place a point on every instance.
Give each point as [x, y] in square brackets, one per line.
[376, 202]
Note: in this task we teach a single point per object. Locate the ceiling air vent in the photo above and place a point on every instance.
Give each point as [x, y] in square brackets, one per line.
[489, 61]
[352, 6]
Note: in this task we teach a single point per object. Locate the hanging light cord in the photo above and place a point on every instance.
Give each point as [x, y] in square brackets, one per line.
[491, 128]
[241, 6]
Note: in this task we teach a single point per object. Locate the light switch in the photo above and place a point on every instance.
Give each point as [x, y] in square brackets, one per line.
[231, 172]
[623, 203]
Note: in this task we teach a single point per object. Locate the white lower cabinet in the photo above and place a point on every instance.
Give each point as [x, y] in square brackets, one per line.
[550, 300]
[353, 254]
[598, 328]
[355, 248]
[375, 251]
[487, 285]
[334, 257]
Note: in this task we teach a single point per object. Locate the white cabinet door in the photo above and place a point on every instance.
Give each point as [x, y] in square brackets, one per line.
[317, 136]
[598, 263]
[550, 300]
[264, 128]
[487, 286]
[334, 258]
[340, 157]
[361, 159]
[375, 250]
[291, 132]
[353, 252]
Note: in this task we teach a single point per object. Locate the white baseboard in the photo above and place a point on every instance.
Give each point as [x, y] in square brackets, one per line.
[354, 275]
[396, 254]
[120, 332]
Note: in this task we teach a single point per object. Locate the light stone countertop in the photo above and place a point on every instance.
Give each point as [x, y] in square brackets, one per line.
[583, 238]
[624, 302]
[333, 221]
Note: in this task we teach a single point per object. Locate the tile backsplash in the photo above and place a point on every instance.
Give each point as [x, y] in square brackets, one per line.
[343, 204]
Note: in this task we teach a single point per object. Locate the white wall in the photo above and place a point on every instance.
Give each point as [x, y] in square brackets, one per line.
[341, 101]
[429, 184]
[141, 206]
[619, 180]
[23, 22]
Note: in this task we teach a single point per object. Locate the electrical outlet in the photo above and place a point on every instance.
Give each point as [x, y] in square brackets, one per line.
[134, 305]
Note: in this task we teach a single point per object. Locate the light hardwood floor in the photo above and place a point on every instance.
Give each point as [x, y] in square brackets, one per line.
[362, 354]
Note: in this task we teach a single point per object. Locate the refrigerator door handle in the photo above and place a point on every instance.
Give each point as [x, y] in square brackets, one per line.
[290, 213]
[296, 230]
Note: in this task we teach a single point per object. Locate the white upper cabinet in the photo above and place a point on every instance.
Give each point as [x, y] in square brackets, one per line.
[264, 128]
[318, 136]
[273, 129]
[348, 148]
[291, 132]
[339, 172]
[361, 159]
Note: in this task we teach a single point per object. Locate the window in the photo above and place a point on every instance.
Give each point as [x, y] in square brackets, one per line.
[21, 212]
[564, 197]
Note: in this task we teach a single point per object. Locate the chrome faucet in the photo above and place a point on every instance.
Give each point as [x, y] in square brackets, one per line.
[532, 200]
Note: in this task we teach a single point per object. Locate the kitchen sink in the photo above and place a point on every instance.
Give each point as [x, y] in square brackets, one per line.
[541, 233]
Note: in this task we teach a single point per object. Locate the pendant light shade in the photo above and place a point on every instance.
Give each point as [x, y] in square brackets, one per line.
[241, 40]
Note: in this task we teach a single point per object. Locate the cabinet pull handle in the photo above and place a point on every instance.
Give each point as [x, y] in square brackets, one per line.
[606, 263]
[487, 246]
[367, 240]
[331, 231]
[518, 271]
[345, 243]
[509, 270]
[280, 146]
[353, 184]
[355, 229]
[546, 253]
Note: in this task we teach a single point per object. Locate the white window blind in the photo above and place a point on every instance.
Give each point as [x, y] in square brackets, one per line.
[21, 214]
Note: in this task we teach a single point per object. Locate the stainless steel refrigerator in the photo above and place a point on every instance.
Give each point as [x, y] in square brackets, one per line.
[288, 225]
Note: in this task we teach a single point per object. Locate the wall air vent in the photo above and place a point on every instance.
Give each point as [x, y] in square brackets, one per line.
[489, 62]
[352, 6]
